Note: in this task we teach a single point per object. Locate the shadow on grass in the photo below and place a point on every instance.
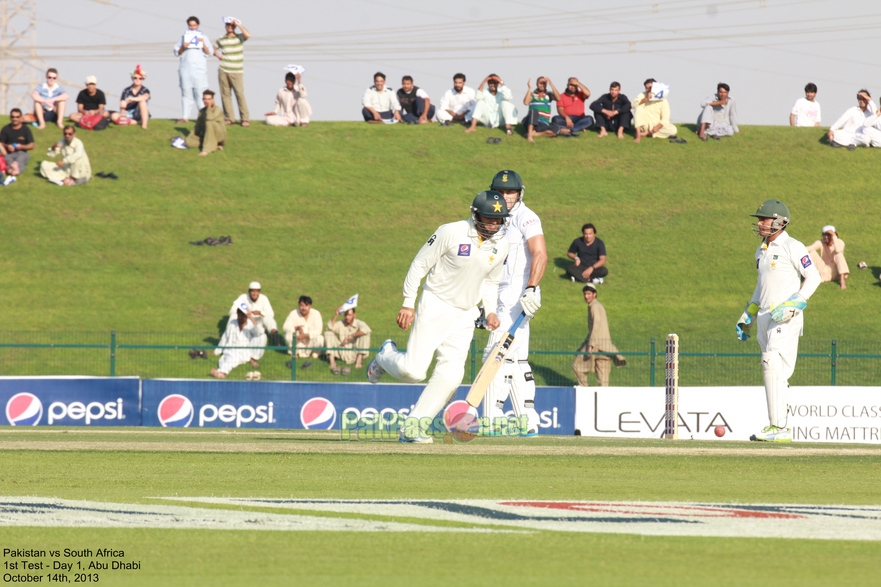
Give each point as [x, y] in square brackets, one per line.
[552, 377]
[876, 271]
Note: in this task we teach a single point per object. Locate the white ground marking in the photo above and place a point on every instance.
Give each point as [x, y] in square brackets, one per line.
[649, 518]
[50, 512]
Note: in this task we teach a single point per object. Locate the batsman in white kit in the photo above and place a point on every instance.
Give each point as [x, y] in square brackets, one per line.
[518, 292]
[463, 262]
[777, 307]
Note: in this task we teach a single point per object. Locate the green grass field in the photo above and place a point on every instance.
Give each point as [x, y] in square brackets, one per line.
[340, 208]
[126, 467]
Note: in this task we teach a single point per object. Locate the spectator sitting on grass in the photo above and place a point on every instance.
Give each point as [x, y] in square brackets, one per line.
[612, 112]
[457, 103]
[16, 139]
[291, 106]
[719, 115]
[828, 257]
[352, 335]
[570, 107]
[379, 102]
[133, 102]
[73, 168]
[651, 115]
[806, 111]
[416, 106]
[589, 254]
[494, 106]
[242, 332]
[538, 119]
[50, 100]
[209, 135]
[305, 325]
[843, 131]
[90, 101]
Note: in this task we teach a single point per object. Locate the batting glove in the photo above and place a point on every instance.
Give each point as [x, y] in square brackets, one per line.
[789, 309]
[531, 300]
[745, 323]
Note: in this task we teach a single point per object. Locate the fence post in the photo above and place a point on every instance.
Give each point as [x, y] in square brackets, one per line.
[652, 364]
[834, 359]
[113, 353]
[293, 363]
[473, 359]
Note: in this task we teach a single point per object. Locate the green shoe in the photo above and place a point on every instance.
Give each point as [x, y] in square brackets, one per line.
[773, 434]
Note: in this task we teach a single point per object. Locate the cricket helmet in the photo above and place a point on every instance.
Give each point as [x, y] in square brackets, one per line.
[489, 204]
[507, 179]
[777, 211]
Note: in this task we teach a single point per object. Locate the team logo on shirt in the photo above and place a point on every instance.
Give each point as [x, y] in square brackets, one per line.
[775, 257]
[432, 239]
[464, 250]
[806, 261]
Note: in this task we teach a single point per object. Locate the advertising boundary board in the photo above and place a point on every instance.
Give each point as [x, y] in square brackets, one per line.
[317, 406]
[815, 414]
[70, 401]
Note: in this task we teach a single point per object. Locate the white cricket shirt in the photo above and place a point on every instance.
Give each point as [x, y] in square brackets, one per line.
[781, 266]
[460, 267]
[525, 224]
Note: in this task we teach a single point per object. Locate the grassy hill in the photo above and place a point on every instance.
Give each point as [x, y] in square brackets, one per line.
[340, 208]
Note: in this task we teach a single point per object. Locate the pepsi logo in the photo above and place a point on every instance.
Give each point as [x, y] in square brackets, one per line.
[176, 411]
[24, 409]
[318, 413]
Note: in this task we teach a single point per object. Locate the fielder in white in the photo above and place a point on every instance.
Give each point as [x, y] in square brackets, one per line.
[463, 262]
[776, 306]
[242, 334]
[261, 313]
[518, 292]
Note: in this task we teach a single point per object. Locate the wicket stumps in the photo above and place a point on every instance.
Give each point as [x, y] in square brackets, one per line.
[671, 399]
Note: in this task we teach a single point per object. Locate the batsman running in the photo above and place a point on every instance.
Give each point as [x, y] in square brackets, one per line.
[776, 307]
[464, 261]
[518, 291]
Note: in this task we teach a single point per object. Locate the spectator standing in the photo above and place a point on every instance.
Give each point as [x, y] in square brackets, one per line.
[416, 106]
[231, 73]
[719, 115]
[73, 168]
[90, 101]
[589, 254]
[16, 139]
[457, 103]
[827, 255]
[494, 105]
[291, 106]
[598, 340]
[806, 111]
[50, 99]
[612, 112]
[538, 119]
[570, 107]
[193, 48]
[379, 102]
[651, 114]
[350, 334]
[133, 103]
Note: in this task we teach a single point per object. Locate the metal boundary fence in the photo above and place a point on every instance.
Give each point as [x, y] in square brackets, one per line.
[167, 355]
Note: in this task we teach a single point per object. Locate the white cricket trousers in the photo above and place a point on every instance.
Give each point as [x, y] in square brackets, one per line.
[779, 344]
[439, 330]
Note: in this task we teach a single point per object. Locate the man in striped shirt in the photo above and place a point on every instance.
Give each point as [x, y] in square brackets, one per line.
[538, 120]
[229, 49]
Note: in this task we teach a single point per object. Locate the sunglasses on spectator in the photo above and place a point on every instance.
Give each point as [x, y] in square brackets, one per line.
[137, 77]
[51, 77]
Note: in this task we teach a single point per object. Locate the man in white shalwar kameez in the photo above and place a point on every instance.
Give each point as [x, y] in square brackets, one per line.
[236, 344]
[494, 106]
[74, 167]
[843, 132]
[261, 313]
[291, 106]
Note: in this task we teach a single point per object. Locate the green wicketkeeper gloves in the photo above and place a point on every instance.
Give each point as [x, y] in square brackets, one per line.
[744, 324]
[788, 309]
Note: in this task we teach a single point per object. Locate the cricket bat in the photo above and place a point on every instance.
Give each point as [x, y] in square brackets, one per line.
[492, 365]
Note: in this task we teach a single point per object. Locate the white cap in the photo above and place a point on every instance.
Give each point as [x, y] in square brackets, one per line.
[91, 80]
[254, 285]
[243, 307]
[829, 228]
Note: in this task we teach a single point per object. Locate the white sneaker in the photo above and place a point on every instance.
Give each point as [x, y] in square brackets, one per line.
[179, 143]
[597, 280]
[249, 376]
[773, 434]
[572, 277]
[374, 371]
[10, 179]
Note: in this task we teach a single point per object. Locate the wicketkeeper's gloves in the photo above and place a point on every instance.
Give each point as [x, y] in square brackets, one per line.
[745, 323]
[789, 309]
